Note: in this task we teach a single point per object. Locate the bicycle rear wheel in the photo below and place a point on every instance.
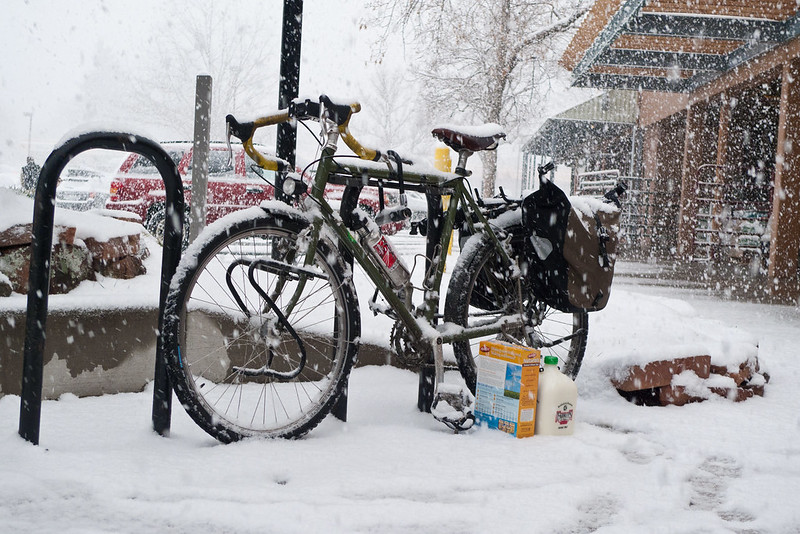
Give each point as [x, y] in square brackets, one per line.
[258, 344]
[481, 291]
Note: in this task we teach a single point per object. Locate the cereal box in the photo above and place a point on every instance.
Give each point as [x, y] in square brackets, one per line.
[508, 379]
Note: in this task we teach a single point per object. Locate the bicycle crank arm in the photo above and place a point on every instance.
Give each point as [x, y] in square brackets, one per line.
[452, 403]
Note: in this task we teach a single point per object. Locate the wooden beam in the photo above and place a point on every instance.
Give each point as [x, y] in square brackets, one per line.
[613, 28]
[751, 72]
[659, 59]
[695, 45]
[631, 82]
[772, 10]
[686, 25]
[654, 107]
[785, 229]
[721, 174]
[698, 150]
[622, 70]
[597, 19]
[650, 142]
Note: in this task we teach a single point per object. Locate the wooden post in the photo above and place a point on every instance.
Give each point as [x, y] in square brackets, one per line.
[651, 141]
[699, 149]
[717, 193]
[687, 218]
[785, 230]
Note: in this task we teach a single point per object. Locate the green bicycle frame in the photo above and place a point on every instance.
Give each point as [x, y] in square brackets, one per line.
[436, 183]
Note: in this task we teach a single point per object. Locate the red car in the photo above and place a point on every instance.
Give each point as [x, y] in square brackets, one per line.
[138, 186]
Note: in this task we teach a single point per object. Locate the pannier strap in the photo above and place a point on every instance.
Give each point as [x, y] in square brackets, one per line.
[603, 238]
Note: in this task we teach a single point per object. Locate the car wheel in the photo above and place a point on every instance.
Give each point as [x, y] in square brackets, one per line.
[156, 222]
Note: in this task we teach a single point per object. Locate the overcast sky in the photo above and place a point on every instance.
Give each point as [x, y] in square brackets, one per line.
[49, 47]
[67, 63]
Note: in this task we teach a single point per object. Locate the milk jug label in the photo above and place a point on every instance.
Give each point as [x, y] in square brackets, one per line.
[564, 413]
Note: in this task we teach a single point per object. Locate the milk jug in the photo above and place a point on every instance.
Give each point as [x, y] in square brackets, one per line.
[555, 401]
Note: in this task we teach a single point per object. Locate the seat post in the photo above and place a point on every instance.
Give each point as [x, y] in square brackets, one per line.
[461, 167]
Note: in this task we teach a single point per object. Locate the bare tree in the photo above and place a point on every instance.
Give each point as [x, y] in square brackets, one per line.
[240, 57]
[482, 60]
[392, 111]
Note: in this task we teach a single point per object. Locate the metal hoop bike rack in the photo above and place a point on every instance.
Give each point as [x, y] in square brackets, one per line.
[39, 281]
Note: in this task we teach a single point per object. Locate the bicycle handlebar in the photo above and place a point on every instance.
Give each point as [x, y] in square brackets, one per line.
[324, 109]
[244, 131]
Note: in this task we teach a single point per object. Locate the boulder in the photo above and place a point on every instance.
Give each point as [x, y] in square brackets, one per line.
[680, 381]
[70, 265]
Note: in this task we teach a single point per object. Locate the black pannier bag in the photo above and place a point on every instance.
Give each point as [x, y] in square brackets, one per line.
[570, 252]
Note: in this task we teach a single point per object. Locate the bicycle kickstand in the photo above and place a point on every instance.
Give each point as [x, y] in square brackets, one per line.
[452, 403]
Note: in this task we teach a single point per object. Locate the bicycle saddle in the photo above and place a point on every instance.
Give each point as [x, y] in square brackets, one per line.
[484, 138]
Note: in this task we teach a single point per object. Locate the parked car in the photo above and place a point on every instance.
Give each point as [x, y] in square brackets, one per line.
[82, 190]
[138, 187]
[232, 185]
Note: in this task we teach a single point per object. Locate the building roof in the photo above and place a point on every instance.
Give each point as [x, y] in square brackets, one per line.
[579, 129]
[674, 45]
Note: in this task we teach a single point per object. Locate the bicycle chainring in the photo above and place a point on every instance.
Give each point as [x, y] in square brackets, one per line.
[408, 355]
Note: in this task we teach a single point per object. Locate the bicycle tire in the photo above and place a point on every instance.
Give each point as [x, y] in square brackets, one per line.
[214, 341]
[478, 260]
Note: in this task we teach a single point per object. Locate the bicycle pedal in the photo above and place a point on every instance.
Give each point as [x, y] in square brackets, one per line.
[453, 406]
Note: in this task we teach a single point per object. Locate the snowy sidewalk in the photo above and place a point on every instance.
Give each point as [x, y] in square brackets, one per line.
[716, 466]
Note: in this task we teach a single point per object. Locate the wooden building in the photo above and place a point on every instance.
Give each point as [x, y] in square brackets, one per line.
[719, 112]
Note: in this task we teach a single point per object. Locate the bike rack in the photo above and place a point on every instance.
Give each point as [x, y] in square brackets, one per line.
[39, 279]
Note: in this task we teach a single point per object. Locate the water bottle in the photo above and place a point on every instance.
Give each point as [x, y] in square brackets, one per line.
[384, 255]
[555, 401]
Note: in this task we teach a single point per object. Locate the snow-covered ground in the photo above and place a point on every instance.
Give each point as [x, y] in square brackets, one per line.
[715, 466]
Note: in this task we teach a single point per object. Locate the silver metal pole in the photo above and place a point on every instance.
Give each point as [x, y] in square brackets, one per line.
[29, 114]
[202, 139]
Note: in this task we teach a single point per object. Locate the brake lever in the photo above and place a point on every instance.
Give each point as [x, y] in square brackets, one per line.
[228, 142]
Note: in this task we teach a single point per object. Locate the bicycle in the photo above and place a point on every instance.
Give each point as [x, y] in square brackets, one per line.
[262, 320]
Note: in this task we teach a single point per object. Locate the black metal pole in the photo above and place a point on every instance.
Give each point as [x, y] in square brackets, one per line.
[427, 373]
[289, 87]
[39, 278]
[30, 406]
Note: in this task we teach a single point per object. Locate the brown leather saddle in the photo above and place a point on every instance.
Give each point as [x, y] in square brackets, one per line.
[459, 140]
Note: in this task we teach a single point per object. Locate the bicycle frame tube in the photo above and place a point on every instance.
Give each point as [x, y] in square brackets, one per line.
[436, 183]
[351, 244]
[459, 197]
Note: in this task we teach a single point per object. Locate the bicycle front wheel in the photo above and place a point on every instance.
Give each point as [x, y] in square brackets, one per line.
[257, 342]
[481, 291]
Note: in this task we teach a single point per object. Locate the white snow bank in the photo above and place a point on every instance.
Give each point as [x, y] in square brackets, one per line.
[638, 329]
[18, 209]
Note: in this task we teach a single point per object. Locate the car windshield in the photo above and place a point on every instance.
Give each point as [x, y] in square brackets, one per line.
[143, 165]
[249, 165]
[219, 162]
